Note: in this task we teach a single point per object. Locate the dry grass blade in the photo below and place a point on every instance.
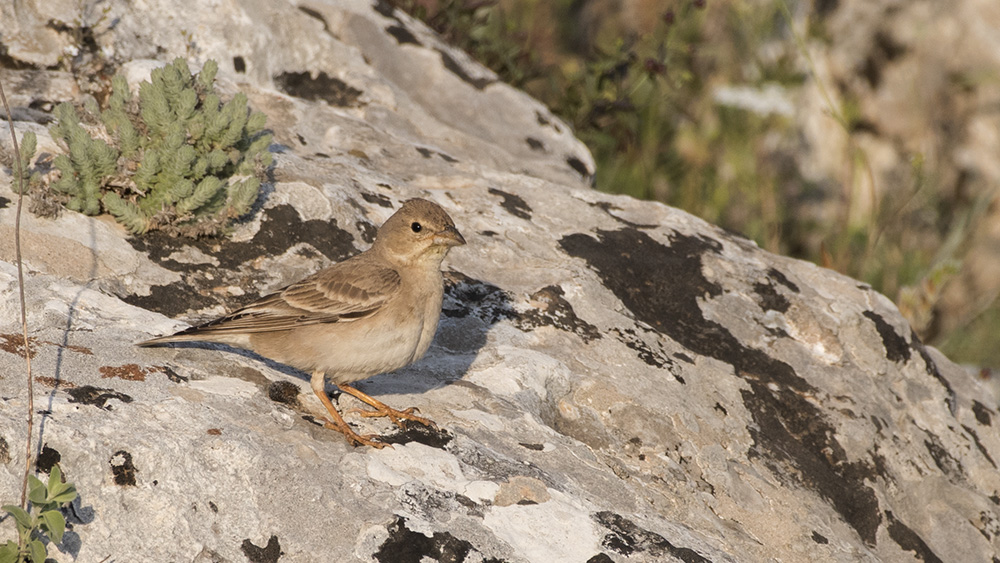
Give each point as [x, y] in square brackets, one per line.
[20, 288]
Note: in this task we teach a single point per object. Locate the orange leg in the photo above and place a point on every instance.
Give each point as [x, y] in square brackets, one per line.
[338, 424]
[381, 409]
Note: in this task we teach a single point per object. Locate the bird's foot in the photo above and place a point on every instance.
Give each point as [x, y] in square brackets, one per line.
[396, 416]
[382, 409]
[353, 437]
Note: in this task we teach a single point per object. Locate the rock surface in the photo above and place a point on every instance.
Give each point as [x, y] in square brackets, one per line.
[615, 380]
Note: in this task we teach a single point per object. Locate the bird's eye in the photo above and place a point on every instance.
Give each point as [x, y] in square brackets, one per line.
[416, 227]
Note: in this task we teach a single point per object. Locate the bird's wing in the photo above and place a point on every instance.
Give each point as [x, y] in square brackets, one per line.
[347, 291]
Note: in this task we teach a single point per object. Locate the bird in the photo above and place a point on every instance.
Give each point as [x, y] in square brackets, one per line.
[375, 312]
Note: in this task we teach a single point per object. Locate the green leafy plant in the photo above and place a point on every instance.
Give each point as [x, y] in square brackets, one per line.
[42, 520]
[175, 158]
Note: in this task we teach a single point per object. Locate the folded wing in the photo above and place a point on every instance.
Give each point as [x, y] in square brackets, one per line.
[348, 291]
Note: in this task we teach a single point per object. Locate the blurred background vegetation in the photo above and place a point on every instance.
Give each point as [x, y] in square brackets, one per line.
[769, 118]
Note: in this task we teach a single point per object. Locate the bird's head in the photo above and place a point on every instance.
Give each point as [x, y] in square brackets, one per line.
[418, 232]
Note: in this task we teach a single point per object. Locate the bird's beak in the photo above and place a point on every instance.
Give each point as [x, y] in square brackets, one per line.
[449, 236]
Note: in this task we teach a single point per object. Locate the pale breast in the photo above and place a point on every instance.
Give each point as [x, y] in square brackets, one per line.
[347, 351]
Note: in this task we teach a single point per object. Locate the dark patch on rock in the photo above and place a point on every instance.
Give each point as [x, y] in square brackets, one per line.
[490, 234]
[428, 153]
[988, 526]
[416, 432]
[779, 277]
[47, 459]
[122, 469]
[316, 16]
[721, 409]
[534, 447]
[607, 206]
[684, 358]
[284, 392]
[878, 425]
[267, 554]
[173, 375]
[979, 445]
[402, 35]
[626, 538]
[451, 64]
[4, 202]
[553, 310]
[367, 230]
[467, 502]
[933, 371]
[171, 299]
[777, 332]
[897, 348]
[601, 558]
[661, 286]
[513, 204]
[96, 396]
[819, 538]
[407, 546]
[770, 299]
[239, 64]
[485, 301]
[377, 199]
[4, 451]
[578, 165]
[534, 144]
[329, 89]
[983, 415]
[628, 337]
[281, 228]
[794, 433]
[213, 507]
[942, 458]
[908, 540]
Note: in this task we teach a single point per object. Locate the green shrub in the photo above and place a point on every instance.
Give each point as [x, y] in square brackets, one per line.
[43, 518]
[176, 158]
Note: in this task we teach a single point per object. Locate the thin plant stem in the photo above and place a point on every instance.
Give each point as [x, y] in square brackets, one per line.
[20, 290]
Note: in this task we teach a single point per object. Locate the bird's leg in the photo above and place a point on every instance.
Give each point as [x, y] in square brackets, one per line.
[381, 409]
[318, 386]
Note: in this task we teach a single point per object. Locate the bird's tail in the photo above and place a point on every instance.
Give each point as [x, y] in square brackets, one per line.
[208, 332]
[187, 335]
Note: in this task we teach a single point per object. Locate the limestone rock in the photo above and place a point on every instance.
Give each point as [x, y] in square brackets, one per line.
[616, 380]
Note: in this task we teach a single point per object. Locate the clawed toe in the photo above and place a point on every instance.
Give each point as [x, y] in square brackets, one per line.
[396, 416]
[381, 409]
[353, 437]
